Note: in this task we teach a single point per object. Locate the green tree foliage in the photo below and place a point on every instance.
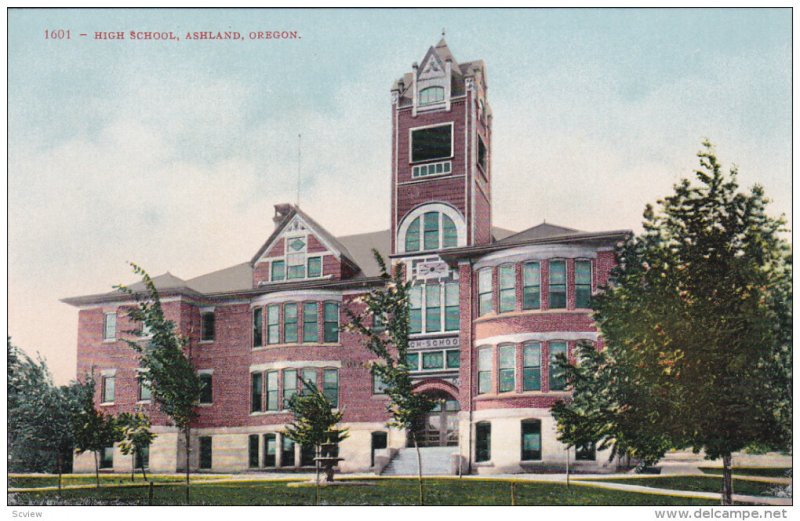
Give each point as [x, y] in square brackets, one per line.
[136, 437]
[697, 325]
[389, 305]
[40, 416]
[166, 361]
[94, 430]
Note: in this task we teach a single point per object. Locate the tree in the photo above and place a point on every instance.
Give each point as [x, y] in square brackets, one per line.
[94, 430]
[166, 359]
[136, 437]
[315, 422]
[389, 306]
[697, 326]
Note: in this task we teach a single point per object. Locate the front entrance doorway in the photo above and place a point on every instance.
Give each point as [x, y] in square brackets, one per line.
[439, 428]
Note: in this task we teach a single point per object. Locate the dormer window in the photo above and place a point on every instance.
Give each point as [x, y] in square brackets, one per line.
[296, 258]
[431, 95]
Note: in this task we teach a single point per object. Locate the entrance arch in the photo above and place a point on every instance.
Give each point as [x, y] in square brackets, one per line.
[439, 427]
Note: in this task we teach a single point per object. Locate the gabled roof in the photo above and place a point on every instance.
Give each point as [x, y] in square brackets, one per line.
[164, 281]
[323, 234]
[540, 231]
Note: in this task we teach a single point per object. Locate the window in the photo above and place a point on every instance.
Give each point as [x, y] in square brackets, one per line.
[437, 229]
[432, 143]
[272, 390]
[508, 288]
[207, 326]
[483, 441]
[558, 284]
[378, 323]
[586, 452]
[273, 327]
[205, 452]
[453, 359]
[110, 326]
[331, 324]
[310, 379]
[270, 450]
[330, 386]
[532, 366]
[314, 267]
[557, 381]
[144, 393]
[287, 452]
[310, 333]
[278, 271]
[433, 360]
[307, 453]
[431, 95]
[482, 155]
[441, 167]
[109, 387]
[531, 285]
[583, 283]
[255, 392]
[451, 311]
[206, 389]
[143, 457]
[378, 385]
[258, 335]
[431, 231]
[433, 308]
[252, 451]
[290, 323]
[531, 440]
[107, 458]
[415, 310]
[484, 370]
[485, 304]
[412, 361]
[506, 355]
[296, 258]
[289, 386]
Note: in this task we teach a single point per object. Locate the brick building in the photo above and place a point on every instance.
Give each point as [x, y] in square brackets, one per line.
[490, 309]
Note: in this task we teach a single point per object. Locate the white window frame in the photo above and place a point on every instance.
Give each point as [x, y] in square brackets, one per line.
[306, 256]
[452, 213]
[411, 142]
[105, 326]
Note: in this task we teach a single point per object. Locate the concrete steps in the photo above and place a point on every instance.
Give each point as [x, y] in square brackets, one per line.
[435, 462]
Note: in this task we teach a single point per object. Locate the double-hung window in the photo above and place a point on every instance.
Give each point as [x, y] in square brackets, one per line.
[531, 285]
[296, 258]
[331, 323]
[532, 366]
[206, 388]
[531, 440]
[583, 283]
[255, 392]
[310, 329]
[290, 323]
[205, 452]
[452, 318]
[310, 379]
[289, 386]
[109, 389]
[433, 308]
[558, 284]
[483, 441]
[272, 391]
[273, 326]
[252, 451]
[557, 380]
[278, 270]
[484, 370]
[207, 320]
[431, 231]
[485, 304]
[506, 362]
[110, 326]
[314, 267]
[258, 327]
[508, 288]
[330, 386]
[415, 310]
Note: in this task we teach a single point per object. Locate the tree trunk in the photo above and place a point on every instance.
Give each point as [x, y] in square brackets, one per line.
[419, 469]
[318, 451]
[96, 469]
[144, 474]
[567, 451]
[188, 435]
[133, 465]
[59, 462]
[727, 480]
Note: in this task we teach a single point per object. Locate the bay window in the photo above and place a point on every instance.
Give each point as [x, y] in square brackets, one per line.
[508, 288]
[485, 364]
[583, 283]
[531, 366]
[558, 284]
[506, 362]
[557, 380]
[485, 304]
[531, 285]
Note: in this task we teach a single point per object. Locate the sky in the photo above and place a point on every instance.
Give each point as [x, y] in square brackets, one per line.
[172, 154]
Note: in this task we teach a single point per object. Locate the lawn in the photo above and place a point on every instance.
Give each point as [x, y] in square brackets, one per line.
[771, 472]
[49, 480]
[379, 492]
[697, 484]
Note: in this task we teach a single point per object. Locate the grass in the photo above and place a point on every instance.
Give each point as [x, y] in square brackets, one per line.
[49, 480]
[379, 492]
[697, 484]
[770, 472]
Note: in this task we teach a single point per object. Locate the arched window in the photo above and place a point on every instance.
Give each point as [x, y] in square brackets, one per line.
[431, 95]
[431, 231]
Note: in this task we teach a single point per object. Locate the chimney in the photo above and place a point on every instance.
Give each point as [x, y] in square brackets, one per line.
[281, 211]
[415, 67]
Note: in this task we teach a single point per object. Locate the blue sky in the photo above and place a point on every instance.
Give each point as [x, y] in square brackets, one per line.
[171, 154]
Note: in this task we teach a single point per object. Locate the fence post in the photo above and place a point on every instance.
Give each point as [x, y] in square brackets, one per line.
[150, 494]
